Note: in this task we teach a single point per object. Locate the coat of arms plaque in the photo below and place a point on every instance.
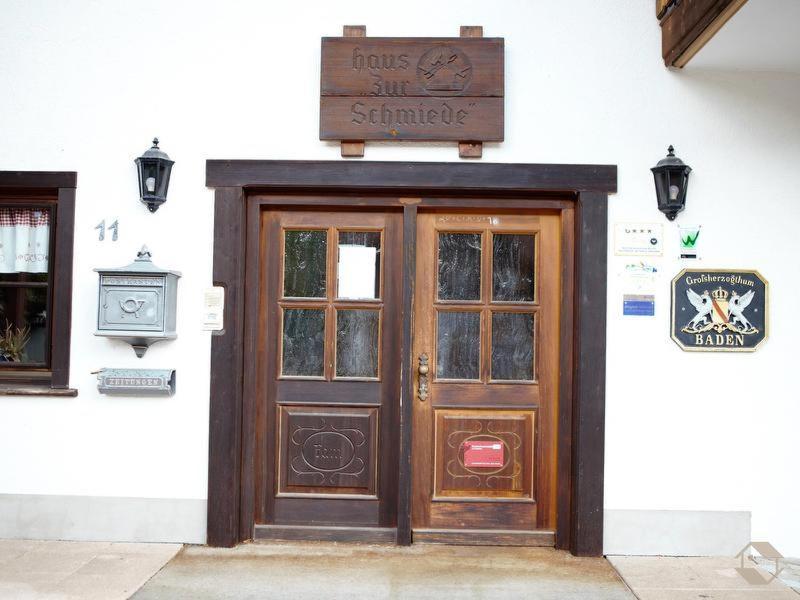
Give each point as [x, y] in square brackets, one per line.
[719, 310]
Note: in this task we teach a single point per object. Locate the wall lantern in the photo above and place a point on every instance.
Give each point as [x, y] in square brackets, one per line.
[672, 179]
[154, 167]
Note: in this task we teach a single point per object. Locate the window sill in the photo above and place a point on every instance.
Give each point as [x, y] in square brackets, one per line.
[36, 390]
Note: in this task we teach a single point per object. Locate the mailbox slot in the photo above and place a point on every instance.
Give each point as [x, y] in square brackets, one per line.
[136, 382]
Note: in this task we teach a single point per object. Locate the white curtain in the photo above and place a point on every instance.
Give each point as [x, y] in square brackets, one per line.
[24, 240]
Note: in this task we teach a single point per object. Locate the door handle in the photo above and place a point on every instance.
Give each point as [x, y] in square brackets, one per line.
[422, 389]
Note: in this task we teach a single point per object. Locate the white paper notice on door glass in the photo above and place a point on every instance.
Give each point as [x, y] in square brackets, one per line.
[357, 272]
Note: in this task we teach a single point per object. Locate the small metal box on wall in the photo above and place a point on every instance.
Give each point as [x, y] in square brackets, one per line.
[137, 303]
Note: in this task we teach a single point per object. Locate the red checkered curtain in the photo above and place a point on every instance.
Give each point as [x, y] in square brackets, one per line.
[24, 240]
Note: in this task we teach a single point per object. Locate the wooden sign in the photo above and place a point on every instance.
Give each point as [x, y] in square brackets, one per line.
[425, 89]
[719, 310]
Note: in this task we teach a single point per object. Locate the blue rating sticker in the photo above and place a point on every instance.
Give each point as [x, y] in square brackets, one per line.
[638, 305]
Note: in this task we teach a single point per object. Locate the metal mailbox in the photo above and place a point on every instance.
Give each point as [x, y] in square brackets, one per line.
[137, 303]
[136, 382]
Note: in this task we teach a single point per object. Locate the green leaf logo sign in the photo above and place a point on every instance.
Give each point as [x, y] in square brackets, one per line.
[689, 239]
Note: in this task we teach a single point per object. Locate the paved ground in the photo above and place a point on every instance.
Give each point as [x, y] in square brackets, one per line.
[70, 570]
[35, 570]
[334, 571]
[696, 578]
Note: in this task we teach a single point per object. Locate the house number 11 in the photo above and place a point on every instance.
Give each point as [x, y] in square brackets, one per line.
[101, 228]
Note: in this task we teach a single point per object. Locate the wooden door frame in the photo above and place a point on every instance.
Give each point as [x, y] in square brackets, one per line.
[579, 192]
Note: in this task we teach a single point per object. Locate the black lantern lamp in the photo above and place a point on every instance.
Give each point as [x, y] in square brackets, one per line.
[672, 179]
[154, 167]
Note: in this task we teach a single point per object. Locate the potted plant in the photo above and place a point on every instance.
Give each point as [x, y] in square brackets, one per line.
[12, 343]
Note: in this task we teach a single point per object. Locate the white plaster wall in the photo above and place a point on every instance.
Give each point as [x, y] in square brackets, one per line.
[85, 86]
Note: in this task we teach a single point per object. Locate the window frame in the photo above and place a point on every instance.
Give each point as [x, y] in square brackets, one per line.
[55, 191]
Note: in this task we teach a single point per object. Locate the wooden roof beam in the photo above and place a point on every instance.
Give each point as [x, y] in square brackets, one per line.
[687, 25]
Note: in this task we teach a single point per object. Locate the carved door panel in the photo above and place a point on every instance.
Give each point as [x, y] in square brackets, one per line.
[486, 345]
[329, 378]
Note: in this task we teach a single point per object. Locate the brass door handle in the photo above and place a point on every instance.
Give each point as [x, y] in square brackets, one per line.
[422, 389]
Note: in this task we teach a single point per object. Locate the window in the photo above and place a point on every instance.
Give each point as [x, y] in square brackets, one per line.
[36, 220]
[331, 305]
[486, 309]
[24, 286]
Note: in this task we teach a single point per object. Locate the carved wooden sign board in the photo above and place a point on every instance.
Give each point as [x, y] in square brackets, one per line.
[423, 89]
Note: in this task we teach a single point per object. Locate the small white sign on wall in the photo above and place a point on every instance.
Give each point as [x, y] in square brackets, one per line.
[638, 239]
[639, 289]
[213, 308]
[690, 240]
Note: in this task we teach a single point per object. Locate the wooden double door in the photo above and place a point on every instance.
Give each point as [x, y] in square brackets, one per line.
[485, 362]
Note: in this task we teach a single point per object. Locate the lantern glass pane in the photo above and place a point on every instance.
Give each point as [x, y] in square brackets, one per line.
[162, 179]
[150, 176]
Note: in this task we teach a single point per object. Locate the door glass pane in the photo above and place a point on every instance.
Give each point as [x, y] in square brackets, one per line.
[304, 263]
[357, 343]
[513, 267]
[459, 266]
[458, 345]
[303, 342]
[359, 269]
[512, 346]
[23, 325]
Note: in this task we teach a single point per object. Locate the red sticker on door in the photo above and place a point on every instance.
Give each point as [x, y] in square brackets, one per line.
[483, 454]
